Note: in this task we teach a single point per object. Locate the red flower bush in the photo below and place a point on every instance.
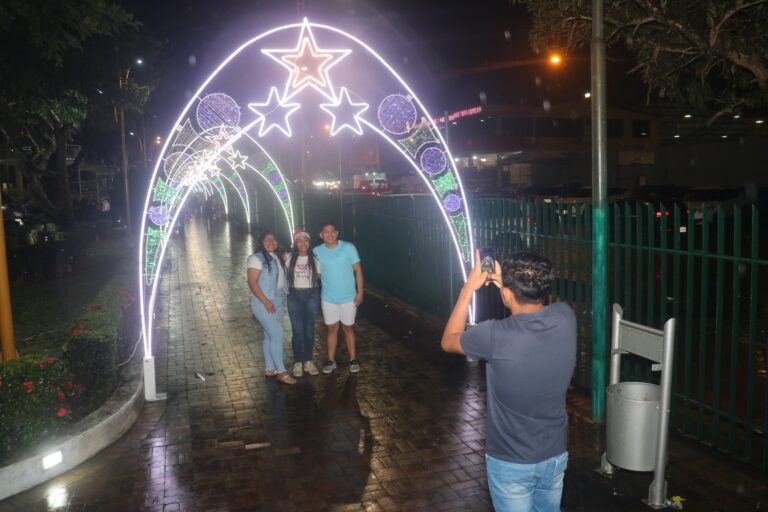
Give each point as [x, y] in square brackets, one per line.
[36, 397]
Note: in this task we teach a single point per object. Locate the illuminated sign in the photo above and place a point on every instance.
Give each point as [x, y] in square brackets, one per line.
[467, 112]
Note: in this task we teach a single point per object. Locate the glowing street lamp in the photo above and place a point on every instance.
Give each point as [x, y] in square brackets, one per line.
[555, 59]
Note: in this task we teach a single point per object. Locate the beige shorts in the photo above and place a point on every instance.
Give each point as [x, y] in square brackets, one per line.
[333, 313]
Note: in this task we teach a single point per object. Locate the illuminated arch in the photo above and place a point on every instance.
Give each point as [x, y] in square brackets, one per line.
[208, 133]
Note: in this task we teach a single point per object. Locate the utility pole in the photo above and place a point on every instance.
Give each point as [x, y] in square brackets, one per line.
[123, 82]
[6, 313]
[600, 213]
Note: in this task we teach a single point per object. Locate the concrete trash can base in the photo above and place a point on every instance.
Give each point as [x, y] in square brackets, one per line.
[632, 425]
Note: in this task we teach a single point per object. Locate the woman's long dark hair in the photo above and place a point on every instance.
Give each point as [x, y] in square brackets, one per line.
[292, 264]
[265, 254]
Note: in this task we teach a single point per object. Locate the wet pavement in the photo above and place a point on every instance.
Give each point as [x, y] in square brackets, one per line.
[406, 433]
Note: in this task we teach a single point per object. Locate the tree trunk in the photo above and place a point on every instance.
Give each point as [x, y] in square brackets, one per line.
[62, 178]
[38, 192]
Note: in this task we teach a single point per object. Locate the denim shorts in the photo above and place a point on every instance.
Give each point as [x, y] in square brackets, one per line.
[526, 487]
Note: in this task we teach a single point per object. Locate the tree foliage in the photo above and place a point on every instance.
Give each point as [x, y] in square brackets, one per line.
[709, 54]
[49, 82]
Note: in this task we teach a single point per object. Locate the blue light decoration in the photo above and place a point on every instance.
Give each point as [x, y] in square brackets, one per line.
[433, 161]
[213, 140]
[452, 203]
[217, 109]
[397, 114]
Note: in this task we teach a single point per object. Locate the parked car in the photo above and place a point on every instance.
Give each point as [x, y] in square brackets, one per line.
[658, 199]
[575, 204]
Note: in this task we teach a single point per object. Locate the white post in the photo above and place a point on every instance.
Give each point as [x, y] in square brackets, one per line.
[150, 391]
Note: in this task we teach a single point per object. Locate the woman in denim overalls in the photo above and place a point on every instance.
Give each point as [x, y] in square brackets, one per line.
[266, 280]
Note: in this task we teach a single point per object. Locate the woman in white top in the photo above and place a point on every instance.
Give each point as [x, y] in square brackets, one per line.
[266, 280]
[303, 271]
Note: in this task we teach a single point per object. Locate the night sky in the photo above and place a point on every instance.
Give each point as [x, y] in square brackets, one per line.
[440, 48]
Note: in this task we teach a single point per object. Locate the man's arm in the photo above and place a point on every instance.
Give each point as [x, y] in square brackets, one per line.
[359, 282]
[451, 341]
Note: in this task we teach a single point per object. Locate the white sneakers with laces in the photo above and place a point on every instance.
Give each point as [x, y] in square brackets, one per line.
[310, 368]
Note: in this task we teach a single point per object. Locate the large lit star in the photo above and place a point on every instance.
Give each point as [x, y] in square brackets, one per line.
[308, 64]
[345, 113]
[274, 113]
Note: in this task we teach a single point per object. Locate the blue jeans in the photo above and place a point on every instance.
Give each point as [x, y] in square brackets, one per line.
[526, 487]
[272, 323]
[303, 306]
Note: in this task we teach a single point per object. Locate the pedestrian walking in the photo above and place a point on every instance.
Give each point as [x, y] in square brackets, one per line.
[267, 282]
[530, 357]
[303, 271]
[342, 292]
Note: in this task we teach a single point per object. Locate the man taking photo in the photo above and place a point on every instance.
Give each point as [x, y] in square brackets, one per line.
[529, 357]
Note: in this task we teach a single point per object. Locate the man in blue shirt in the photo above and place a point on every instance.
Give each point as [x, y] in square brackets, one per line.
[529, 357]
[342, 292]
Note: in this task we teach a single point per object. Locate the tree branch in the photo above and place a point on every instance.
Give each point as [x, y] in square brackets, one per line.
[740, 6]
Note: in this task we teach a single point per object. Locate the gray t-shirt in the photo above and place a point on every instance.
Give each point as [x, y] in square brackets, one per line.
[530, 362]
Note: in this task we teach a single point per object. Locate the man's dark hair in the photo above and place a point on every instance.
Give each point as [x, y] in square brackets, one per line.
[329, 223]
[528, 275]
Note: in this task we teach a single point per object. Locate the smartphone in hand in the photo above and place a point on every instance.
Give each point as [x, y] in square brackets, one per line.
[488, 260]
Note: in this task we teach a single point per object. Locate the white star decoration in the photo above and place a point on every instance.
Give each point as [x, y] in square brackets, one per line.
[219, 138]
[237, 160]
[345, 113]
[274, 113]
[308, 64]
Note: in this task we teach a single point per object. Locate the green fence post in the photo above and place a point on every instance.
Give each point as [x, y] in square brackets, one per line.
[600, 218]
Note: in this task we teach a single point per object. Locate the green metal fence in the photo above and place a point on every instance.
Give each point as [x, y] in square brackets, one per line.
[702, 266]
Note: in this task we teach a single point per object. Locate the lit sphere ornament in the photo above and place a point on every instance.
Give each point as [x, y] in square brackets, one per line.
[158, 215]
[217, 109]
[397, 114]
[433, 161]
[452, 203]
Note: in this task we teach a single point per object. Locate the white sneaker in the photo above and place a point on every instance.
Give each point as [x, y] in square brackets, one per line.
[310, 368]
[297, 370]
[329, 367]
[354, 366]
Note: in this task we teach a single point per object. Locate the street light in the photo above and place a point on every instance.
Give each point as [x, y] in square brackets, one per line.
[555, 59]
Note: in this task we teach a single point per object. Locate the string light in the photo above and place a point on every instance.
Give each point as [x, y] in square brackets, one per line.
[202, 143]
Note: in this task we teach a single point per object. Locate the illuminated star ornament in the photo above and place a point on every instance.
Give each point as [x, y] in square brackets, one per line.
[274, 113]
[237, 160]
[345, 113]
[308, 64]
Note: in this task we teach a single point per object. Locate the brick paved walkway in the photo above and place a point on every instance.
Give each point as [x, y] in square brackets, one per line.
[406, 433]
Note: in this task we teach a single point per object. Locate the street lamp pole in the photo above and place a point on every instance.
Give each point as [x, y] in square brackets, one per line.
[600, 213]
[122, 82]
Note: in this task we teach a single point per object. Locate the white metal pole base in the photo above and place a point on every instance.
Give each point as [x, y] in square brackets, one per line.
[150, 391]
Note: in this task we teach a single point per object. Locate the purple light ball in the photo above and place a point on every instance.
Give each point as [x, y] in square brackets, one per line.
[433, 161]
[274, 178]
[282, 194]
[452, 203]
[397, 114]
[158, 216]
[218, 109]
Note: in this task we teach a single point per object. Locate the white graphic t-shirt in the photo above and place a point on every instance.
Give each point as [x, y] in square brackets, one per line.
[302, 272]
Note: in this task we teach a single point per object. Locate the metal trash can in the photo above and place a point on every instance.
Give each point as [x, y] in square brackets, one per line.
[632, 425]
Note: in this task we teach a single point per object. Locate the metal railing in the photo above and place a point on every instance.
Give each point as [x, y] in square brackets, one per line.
[702, 266]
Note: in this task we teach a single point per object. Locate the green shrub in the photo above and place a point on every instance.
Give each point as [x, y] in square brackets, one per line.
[93, 364]
[91, 351]
[36, 399]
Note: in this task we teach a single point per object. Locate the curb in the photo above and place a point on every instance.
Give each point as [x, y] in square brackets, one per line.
[95, 432]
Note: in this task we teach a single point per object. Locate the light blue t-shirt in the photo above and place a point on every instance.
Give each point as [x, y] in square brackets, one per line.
[338, 277]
